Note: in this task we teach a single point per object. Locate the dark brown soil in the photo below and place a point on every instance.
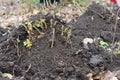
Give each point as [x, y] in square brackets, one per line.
[62, 62]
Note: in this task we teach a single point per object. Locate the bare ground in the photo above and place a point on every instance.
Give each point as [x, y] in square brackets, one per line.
[62, 62]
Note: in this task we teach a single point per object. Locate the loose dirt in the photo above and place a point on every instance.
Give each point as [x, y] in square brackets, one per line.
[70, 61]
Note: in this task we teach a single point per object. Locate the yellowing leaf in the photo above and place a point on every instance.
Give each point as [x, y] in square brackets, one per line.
[117, 52]
[42, 20]
[29, 25]
[27, 43]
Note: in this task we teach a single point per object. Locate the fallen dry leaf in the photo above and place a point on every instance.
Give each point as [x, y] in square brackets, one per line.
[108, 76]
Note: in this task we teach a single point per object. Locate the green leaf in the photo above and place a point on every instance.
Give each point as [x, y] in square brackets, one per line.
[82, 2]
[37, 24]
[117, 52]
[34, 1]
[78, 1]
[18, 40]
[104, 44]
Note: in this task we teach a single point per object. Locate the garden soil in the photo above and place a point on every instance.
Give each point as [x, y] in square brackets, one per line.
[66, 60]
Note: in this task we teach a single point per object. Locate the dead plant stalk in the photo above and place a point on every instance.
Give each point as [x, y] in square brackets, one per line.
[53, 32]
[114, 33]
[53, 37]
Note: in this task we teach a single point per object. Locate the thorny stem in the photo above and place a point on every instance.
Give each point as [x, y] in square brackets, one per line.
[45, 24]
[28, 68]
[62, 28]
[53, 33]
[38, 30]
[53, 37]
[115, 27]
[68, 36]
[16, 44]
[17, 14]
[40, 33]
[114, 33]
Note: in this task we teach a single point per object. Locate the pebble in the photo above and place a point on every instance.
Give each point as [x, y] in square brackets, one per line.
[70, 69]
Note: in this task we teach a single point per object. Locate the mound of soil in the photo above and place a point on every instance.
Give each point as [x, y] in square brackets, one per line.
[62, 62]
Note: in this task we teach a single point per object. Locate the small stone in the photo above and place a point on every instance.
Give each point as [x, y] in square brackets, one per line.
[114, 78]
[7, 75]
[71, 79]
[87, 40]
[61, 63]
[52, 76]
[10, 64]
[59, 70]
[70, 69]
[37, 78]
[23, 78]
[96, 59]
